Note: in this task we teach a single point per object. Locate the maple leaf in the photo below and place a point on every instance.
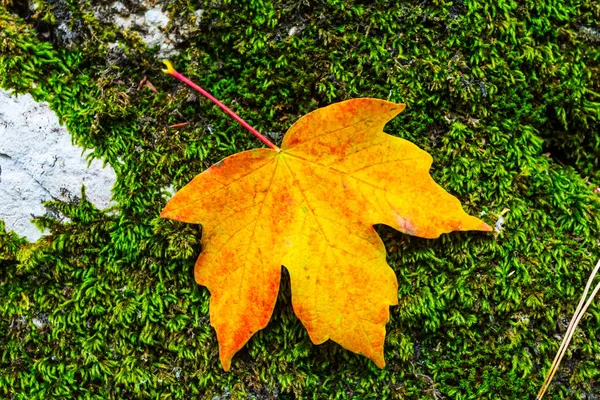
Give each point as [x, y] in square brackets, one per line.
[311, 206]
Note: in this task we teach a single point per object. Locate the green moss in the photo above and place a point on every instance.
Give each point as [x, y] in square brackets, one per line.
[489, 88]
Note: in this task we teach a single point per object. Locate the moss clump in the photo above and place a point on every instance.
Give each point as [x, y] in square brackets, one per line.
[106, 307]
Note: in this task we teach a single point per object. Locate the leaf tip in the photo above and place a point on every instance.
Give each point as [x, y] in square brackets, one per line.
[225, 357]
[482, 226]
[379, 361]
[226, 364]
[474, 224]
[166, 212]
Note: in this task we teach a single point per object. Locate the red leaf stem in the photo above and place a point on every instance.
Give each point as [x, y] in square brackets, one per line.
[171, 71]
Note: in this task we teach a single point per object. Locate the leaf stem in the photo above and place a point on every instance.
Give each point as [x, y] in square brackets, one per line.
[171, 71]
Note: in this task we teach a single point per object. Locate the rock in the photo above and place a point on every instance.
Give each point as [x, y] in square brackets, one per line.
[41, 321]
[155, 21]
[155, 17]
[38, 162]
[150, 27]
[119, 7]
[198, 13]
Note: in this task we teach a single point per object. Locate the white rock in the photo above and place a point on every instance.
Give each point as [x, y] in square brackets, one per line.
[124, 22]
[198, 13]
[155, 17]
[149, 26]
[40, 321]
[118, 7]
[169, 191]
[38, 162]
[65, 32]
[155, 20]
[499, 223]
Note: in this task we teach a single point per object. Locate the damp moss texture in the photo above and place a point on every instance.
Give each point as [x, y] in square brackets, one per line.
[505, 96]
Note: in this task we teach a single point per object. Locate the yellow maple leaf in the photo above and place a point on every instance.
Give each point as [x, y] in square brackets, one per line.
[311, 206]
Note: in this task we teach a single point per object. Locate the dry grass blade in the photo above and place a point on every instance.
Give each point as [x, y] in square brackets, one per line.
[579, 312]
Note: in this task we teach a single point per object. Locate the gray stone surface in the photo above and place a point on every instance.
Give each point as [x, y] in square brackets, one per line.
[150, 25]
[38, 162]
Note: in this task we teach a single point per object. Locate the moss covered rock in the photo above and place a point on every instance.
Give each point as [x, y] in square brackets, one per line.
[505, 98]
